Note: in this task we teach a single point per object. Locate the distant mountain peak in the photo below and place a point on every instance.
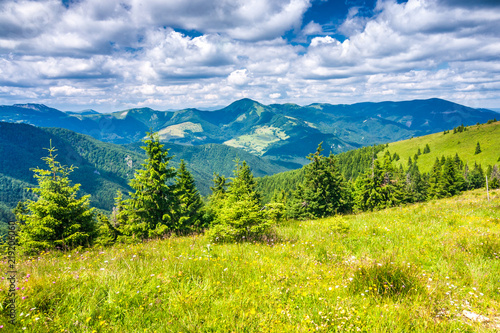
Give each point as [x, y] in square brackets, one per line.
[33, 106]
[83, 112]
[244, 102]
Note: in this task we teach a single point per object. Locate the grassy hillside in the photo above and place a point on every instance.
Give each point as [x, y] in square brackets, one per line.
[418, 268]
[464, 143]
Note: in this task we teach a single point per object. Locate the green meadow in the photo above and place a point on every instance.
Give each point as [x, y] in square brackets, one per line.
[415, 268]
[463, 144]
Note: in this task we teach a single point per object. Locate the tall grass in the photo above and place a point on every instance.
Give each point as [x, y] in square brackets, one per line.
[413, 268]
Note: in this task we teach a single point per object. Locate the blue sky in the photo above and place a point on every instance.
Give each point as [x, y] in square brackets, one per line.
[169, 54]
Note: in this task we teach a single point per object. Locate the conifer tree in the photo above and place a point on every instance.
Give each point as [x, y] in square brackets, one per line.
[57, 219]
[435, 191]
[416, 189]
[475, 177]
[324, 191]
[478, 149]
[427, 149]
[494, 180]
[377, 189]
[151, 208]
[239, 215]
[451, 181]
[189, 215]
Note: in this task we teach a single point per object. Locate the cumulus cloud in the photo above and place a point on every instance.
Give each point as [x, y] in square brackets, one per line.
[125, 53]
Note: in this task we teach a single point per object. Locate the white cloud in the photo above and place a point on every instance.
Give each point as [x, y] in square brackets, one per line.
[238, 77]
[124, 53]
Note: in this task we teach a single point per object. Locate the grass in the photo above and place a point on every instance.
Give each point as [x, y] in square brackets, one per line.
[488, 136]
[405, 269]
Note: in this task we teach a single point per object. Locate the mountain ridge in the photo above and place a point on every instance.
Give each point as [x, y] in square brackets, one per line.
[279, 132]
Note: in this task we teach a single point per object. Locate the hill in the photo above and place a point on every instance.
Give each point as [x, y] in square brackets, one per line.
[102, 168]
[280, 132]
[355, 162]
[461, 143]
[429, 267]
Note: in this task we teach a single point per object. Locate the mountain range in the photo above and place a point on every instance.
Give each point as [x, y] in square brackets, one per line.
[284, 133]
[271, 138]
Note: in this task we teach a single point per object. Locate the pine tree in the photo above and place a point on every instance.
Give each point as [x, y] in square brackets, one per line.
[368, 189]
[416, 189]
[427, 149]
[324, 191]
[57, 219]
[238, 215]
[189, 215]
[451, 181]
[475, 177]
[494, 179]
[478, 149]
[151, 208]
[435, 190]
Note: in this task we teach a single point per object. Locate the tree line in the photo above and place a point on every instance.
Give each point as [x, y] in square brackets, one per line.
[165, 201]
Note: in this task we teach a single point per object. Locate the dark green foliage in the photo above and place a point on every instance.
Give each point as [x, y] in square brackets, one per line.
[379, 187]
[452, 181]
[478, 149]
[350, 164]
[434, 189]
[57, 218]
[494, 178]
[427, 149]
[475, 178]
[101, 168]
[151, 208]
[446, 178]
[415, 185]
[189, 214]
[237, 213]
[323, 191]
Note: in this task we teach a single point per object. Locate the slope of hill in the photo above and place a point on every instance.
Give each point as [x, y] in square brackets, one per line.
[461, 143]
[355, 162]
[103, 168]
[281, 132]
[429, 267]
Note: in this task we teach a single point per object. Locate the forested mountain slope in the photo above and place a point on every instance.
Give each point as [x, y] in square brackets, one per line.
[102, 168]
[282, 132]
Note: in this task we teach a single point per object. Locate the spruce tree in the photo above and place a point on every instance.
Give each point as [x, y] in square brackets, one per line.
[494, 180]
[416, 189]
[151, 208]
[451, 181]
[427, 149]
[58, 219]
[239, 216]
[324, 191]
[189, 215]
[478, 149]
[435, 190]
[368, 189]
[475, 177]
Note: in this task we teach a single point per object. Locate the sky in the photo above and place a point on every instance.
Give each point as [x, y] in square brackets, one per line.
[112, 55]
